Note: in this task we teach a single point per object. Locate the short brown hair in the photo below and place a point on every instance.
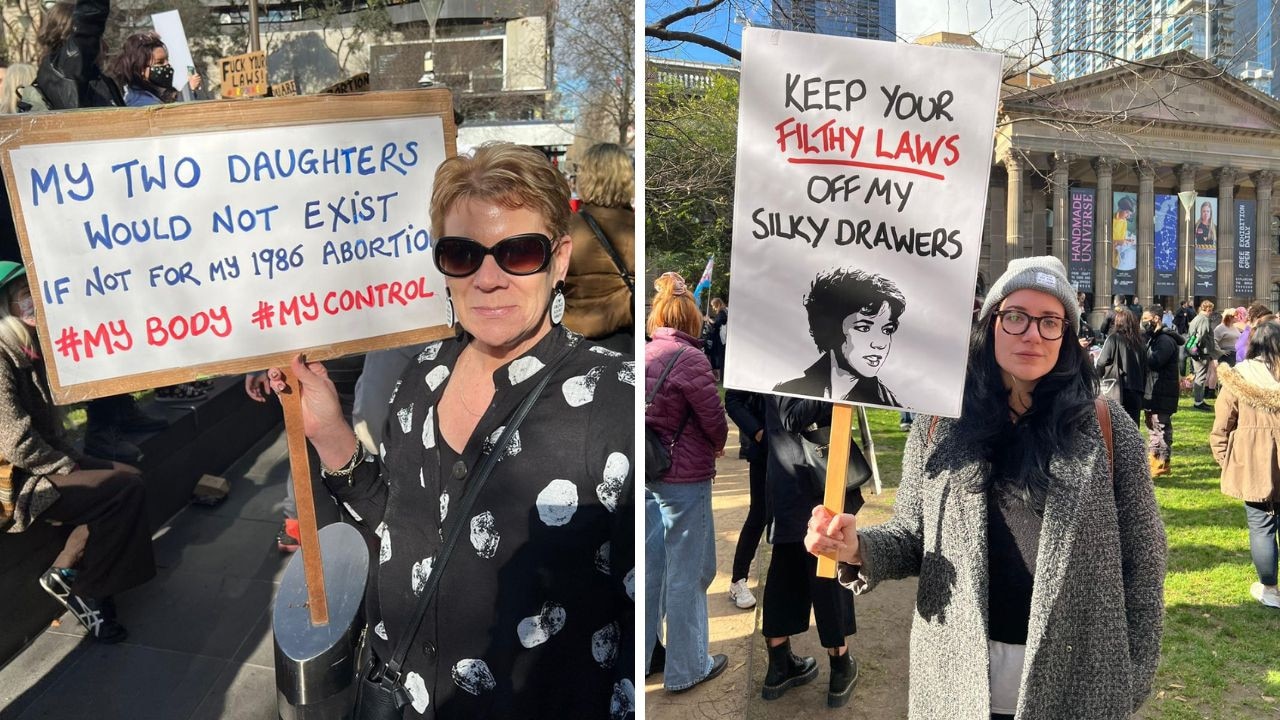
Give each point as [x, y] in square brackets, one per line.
[509, 175]
[1206, 306]
[674, 307]
[605, 177]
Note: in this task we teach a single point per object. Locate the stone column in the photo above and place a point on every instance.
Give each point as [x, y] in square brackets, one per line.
[1186, 257]
[1146, 232]
[1102, 241]
[1226, 236]
[1262, 182]
[1015, 166]
[1059, 180]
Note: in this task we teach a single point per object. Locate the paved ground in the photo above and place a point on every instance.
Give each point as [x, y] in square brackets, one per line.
[880, 645]
[199, 643]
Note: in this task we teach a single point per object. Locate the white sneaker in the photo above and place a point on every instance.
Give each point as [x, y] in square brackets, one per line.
[1267, 596]
[741, 595]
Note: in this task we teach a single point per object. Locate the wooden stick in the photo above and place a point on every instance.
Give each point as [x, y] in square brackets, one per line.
[837, 469]
[300, 467]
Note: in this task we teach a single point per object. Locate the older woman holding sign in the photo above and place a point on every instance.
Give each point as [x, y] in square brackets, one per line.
[1031, 523]
[532, 615]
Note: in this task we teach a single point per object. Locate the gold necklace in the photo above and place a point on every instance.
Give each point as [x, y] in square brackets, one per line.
[462, 398]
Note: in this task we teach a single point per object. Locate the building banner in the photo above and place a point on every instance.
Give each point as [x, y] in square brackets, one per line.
[1246, 215]
[1166, 245]
[861, 189]
[1204, 239]
[1080, 225]
[1124, 243]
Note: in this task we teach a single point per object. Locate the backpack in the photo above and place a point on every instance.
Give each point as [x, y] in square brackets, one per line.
[657, 454]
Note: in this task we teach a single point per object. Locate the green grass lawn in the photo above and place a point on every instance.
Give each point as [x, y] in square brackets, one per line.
[1221, 654]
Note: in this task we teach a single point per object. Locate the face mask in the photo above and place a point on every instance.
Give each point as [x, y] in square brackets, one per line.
[161, 75]
[26, 310]
[1148, 327]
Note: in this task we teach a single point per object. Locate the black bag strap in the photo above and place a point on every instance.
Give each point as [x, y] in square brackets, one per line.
[626, 274]
[391, 671]
[666, 370]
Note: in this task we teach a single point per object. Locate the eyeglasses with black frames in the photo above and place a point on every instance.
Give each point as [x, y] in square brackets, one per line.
[524, 254]
[1016, 322]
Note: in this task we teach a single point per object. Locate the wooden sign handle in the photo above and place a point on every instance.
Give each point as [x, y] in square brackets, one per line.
[837, 469]
[300, 468]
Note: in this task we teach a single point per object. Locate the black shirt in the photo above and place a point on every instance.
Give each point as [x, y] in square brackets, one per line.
[1013, 539]
[534, 615]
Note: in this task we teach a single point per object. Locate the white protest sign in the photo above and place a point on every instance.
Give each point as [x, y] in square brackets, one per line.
[170, 252]
[168, 25]
[861, 187]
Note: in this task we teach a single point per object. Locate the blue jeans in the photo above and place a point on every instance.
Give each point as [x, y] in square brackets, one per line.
[680, 563]
[1263, 524]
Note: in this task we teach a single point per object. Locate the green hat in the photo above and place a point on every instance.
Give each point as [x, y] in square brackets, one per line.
[10, 271]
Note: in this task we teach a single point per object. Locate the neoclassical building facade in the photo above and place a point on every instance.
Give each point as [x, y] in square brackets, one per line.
[1173, 124]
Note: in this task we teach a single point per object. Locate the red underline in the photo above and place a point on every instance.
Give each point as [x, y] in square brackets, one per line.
[873, 166]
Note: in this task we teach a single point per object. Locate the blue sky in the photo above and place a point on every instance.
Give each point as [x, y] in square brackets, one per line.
[997, 23]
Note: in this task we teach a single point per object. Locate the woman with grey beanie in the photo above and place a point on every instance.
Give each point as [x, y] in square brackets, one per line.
[1031, 523]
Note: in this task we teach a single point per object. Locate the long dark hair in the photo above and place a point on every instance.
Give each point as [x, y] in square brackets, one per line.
[1264, 345]
[55, 27]
[127, 67]
[1019, 453]
[1128, 331]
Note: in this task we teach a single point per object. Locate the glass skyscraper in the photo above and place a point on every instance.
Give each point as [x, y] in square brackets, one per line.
[873, 19]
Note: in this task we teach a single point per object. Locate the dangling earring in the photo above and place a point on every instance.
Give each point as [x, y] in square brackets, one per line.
[449, 318]
[557, 303]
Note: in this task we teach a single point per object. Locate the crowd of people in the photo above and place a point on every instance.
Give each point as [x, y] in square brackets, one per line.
[1056, 610]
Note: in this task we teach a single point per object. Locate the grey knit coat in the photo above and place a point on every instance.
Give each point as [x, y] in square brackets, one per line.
[1097, 604]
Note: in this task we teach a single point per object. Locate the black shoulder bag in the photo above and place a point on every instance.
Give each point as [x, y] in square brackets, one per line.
[657, 454]
[626, 275]
[380, 694]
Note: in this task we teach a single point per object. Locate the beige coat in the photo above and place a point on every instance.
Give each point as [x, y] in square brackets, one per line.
[1246, 432]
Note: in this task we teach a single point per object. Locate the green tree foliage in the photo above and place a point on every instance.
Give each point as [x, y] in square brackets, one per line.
[691, 144]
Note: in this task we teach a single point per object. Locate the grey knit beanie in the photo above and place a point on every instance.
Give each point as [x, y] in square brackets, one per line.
[1044, 273]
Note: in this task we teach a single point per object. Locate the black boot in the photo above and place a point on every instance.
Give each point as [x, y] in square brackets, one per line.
[844, 675]
[786, 670]
[658, 662]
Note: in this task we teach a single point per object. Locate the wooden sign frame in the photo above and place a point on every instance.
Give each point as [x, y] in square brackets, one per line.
[18, 131]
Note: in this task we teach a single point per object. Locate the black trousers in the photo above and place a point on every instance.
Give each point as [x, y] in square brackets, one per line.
[753, 526]
[793, 588]
[112, 503]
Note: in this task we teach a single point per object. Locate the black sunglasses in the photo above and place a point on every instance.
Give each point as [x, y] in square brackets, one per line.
[524, 254]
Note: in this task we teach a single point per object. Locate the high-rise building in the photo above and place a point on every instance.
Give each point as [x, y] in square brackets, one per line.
[1089, 35]
[873, 19]
[1257, 35]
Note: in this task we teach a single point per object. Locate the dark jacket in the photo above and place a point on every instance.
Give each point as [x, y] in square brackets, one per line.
[791, 494]
[690, 389]
[69, 76]
[747, 410]
[816, 382]
[1117, 360]
[1162, 359]
[1182, 319]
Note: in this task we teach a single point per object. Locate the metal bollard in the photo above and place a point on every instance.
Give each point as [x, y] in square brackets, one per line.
[316, 666]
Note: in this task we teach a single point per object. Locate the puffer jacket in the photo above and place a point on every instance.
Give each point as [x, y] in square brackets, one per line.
[32, 443]
[1246, 432]
[690, 389]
